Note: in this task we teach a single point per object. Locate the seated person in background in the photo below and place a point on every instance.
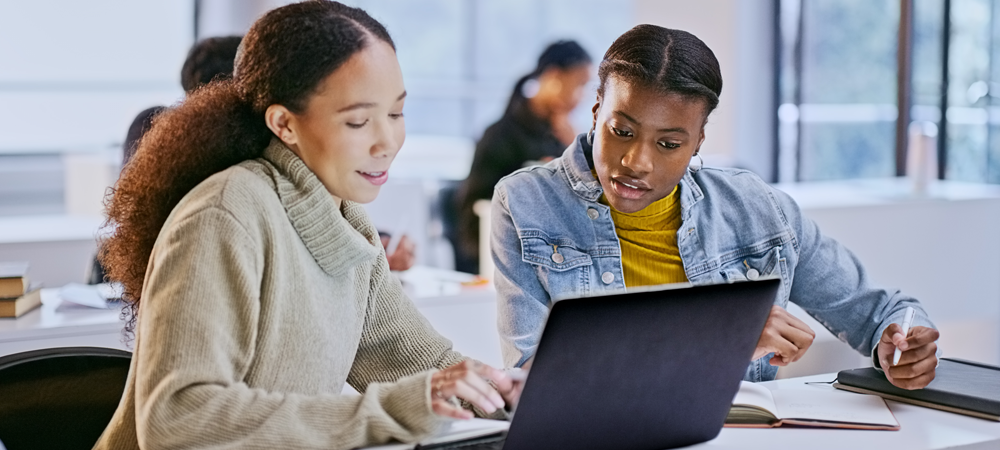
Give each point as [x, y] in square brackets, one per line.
[255, 281]
[624, 206]
[535, 127]
[209, 59]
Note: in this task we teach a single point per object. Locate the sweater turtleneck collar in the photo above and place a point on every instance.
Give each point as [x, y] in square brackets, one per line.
[338, 239]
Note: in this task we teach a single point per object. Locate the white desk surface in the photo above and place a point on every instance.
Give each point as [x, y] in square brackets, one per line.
[45, 322]
[920, 429]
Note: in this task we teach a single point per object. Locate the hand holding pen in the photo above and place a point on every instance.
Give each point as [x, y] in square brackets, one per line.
[908, 354]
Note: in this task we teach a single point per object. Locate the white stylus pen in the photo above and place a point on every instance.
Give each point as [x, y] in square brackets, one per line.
[907, 320]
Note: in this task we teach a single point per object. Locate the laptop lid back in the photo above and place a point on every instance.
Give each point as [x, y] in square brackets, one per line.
[640, 370]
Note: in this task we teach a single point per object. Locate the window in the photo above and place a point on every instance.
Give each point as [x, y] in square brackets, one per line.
[461, 58]
[74, 75]
[839, 74]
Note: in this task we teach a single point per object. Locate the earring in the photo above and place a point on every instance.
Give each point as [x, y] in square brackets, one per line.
[701, 163]
[590, 137]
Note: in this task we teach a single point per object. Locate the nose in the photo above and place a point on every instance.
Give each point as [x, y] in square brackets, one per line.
[386, 144]
[638, 159]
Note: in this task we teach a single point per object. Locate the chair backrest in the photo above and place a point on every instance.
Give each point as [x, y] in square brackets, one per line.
[59, 398]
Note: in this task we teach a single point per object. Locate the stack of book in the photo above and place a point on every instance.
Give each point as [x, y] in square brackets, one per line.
[15, 296]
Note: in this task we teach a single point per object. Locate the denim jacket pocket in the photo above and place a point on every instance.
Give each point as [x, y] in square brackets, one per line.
[751, 266]
[563, 269]
[552, 254]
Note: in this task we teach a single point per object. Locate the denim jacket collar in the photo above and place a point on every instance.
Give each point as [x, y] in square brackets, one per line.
[584, 185]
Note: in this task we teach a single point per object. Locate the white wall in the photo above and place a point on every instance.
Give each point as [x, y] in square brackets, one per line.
[74, 74]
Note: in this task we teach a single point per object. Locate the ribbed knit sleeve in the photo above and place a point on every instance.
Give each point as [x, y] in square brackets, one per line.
[397, 339]
[196, 341]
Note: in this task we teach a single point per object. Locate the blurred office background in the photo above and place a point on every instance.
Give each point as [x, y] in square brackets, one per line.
[820, 96]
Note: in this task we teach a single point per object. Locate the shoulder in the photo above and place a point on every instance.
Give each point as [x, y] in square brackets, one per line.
[729, 178]
[237, 195]
[727, 184]
[745, 196]
[534, 179]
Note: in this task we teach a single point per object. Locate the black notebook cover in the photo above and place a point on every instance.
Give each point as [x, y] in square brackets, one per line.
[959, 385]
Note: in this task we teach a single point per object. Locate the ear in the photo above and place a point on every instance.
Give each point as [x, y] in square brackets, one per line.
[281, 122]
[595, 110]
[701, 140]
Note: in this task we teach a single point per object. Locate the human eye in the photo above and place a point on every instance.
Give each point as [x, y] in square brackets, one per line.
[669, 145]
[357, 125]
[621, 133]
[394, 116]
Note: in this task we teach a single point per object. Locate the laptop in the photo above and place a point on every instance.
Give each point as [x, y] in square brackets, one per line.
[650, 368]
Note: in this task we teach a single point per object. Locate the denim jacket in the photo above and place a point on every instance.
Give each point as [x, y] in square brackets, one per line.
[734, 227]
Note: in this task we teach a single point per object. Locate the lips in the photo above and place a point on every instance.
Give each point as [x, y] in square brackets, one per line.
[629, 188]
[376, 178]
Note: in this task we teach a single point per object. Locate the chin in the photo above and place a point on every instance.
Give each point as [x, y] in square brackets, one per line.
[365, 197]
[628, 206]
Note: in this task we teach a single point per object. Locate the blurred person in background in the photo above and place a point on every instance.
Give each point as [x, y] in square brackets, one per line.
[534, 129]
[209, 59]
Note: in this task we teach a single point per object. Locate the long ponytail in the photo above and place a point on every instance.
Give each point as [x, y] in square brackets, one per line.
[286, 54]
[212, 130]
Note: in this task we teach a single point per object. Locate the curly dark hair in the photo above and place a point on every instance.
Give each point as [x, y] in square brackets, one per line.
[286, 55]
[671, 61]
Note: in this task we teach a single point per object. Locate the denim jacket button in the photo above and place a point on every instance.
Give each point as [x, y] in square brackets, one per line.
[753, 274]
[557, 258]
[607, 277]
[593, 214]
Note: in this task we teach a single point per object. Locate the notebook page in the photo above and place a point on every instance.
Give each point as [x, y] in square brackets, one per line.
[755, 395]
[824, 403]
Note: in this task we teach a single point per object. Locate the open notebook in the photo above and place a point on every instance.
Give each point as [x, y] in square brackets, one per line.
[459, 430]
[757, 406]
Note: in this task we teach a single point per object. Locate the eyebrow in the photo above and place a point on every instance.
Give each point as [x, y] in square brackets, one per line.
[661, 130]
[361, 105]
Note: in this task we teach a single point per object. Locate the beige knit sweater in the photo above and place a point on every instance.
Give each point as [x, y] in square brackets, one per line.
[261, 299]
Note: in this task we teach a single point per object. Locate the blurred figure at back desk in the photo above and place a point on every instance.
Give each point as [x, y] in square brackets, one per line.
[534, 129]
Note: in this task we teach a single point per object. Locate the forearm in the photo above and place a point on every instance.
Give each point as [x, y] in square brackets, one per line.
[198, 415]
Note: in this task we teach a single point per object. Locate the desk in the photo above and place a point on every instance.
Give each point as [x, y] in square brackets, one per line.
[465, 315]
[46, 328]
[60, 248]
[920, 429]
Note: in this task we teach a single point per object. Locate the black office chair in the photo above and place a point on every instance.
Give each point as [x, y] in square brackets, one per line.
[59, 398]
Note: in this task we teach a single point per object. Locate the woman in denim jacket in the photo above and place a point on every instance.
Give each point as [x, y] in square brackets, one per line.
[624, 207]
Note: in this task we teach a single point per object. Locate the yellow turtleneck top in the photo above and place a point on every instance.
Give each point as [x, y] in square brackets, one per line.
[649, 242]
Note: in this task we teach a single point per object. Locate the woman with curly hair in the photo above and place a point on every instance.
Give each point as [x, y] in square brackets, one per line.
[256, 283]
